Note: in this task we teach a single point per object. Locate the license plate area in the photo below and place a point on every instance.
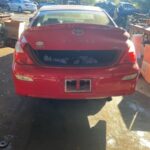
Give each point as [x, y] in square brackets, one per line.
[72, 85]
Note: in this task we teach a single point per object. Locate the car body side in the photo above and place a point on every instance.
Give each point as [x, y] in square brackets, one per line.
[22, 5]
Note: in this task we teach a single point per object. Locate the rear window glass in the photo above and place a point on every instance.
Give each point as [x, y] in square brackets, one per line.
[62, 17]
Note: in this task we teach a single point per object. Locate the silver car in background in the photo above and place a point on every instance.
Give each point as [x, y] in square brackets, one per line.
[22, 5]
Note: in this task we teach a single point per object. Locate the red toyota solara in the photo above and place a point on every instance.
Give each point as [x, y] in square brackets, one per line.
[74, 52]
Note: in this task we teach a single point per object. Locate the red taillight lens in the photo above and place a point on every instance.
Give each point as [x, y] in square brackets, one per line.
[130, 55]
[21, 53]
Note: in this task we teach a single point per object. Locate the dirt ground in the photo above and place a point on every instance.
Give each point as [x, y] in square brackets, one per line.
[38, 124]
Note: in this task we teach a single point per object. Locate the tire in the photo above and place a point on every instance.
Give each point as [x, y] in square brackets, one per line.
[19, 9]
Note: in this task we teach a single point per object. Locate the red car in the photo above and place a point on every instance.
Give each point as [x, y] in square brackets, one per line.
[74, 52]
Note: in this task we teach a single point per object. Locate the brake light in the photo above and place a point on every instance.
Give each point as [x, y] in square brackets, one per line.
[22, 52]
[130, 55]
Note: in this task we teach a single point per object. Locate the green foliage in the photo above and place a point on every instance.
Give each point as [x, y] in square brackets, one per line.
[88, 1]
[44, 0]
[116, 1]
[143, 4]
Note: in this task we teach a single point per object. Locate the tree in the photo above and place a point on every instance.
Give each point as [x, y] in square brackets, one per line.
[143, 4]
[88, 2]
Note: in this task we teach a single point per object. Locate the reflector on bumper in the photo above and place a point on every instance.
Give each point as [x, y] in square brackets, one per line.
[130, 77]
[24, 78]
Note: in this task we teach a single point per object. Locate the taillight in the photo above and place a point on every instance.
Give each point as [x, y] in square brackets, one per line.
[130, 55]
[22, 52]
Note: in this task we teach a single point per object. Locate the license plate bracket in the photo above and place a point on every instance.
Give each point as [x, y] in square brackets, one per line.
[77, 86]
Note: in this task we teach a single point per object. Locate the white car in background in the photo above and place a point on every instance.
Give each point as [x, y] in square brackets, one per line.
[22, 5]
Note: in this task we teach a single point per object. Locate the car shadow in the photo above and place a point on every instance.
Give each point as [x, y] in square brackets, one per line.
[64, 125]
[48, 124]
[6, 83]
[135, 112]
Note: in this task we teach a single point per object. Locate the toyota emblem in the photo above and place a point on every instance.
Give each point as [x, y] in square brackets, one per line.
[78, 31]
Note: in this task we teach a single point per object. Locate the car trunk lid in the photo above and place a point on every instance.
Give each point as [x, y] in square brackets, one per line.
[76, 45]
[76, 37]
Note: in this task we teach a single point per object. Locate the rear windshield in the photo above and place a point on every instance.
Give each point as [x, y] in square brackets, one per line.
[62, 17]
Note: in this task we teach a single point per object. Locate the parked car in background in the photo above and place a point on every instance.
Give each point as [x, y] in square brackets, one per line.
[4, 3]
[35, 2]
[41, 4]
[22, 5]
[73, 52]
[126, 9]
[109, 7]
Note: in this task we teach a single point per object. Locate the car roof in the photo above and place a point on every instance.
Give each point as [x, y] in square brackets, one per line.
[70, 7]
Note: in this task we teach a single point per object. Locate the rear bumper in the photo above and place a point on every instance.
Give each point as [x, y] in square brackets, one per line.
[49, 82]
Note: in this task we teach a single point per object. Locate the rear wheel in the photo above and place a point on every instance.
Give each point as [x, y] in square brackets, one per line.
[19, 9]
